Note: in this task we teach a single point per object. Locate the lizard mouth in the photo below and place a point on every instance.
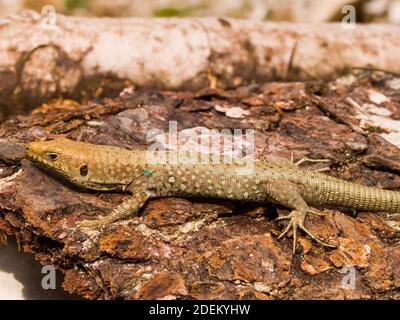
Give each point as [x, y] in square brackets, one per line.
[46, 165]
[36, 158]
[33, 156]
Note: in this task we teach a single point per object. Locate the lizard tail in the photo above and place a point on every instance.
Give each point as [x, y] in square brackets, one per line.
[336, 192]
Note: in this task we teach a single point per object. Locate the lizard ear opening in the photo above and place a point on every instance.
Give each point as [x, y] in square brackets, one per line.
[83, 170]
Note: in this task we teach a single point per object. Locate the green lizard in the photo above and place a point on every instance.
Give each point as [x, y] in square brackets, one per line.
[148, 174]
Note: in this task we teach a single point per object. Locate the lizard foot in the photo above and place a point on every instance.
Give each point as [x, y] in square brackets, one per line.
[296, 221]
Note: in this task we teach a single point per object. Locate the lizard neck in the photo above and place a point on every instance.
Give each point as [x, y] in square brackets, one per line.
[113, 170]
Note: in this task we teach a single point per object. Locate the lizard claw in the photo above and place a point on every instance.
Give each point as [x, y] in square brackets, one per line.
[296, 221]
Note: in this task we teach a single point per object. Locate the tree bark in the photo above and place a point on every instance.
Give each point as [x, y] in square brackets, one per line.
[202, 249]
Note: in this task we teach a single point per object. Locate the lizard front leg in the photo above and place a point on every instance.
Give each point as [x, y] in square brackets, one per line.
[122, 211]
[287, 194]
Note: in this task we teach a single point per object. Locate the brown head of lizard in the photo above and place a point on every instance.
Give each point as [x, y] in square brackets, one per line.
[86, 165]
[56, 155]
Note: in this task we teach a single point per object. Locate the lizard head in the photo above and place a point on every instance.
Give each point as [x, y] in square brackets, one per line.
[63, 156]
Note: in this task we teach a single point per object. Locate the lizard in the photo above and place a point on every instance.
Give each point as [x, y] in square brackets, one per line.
[147, 174]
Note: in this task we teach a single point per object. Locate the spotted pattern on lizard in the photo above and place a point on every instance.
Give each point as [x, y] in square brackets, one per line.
[147, 174]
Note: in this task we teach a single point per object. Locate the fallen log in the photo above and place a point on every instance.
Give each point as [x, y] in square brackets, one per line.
[92, 57]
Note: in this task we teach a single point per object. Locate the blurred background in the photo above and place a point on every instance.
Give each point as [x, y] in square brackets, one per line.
[21, 276]
[382, 11]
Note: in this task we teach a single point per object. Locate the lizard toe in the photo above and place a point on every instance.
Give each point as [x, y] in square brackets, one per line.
[315, 238]
[286, 217]
[295, 218]
[296, 222]
[284, 232]
[316, 212]
[92, 224]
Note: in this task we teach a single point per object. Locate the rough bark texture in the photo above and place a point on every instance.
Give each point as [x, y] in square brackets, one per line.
[98, 56]
[202, 249]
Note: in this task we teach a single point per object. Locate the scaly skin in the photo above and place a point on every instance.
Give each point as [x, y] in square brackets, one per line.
[146, 174]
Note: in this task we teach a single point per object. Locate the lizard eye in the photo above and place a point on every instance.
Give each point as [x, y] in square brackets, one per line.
[83, 170]
[52, 156]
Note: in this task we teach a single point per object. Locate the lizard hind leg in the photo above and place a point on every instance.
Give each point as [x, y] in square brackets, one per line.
[287, 194]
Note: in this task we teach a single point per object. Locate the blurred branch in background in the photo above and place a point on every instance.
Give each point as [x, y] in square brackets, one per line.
[69, 57]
